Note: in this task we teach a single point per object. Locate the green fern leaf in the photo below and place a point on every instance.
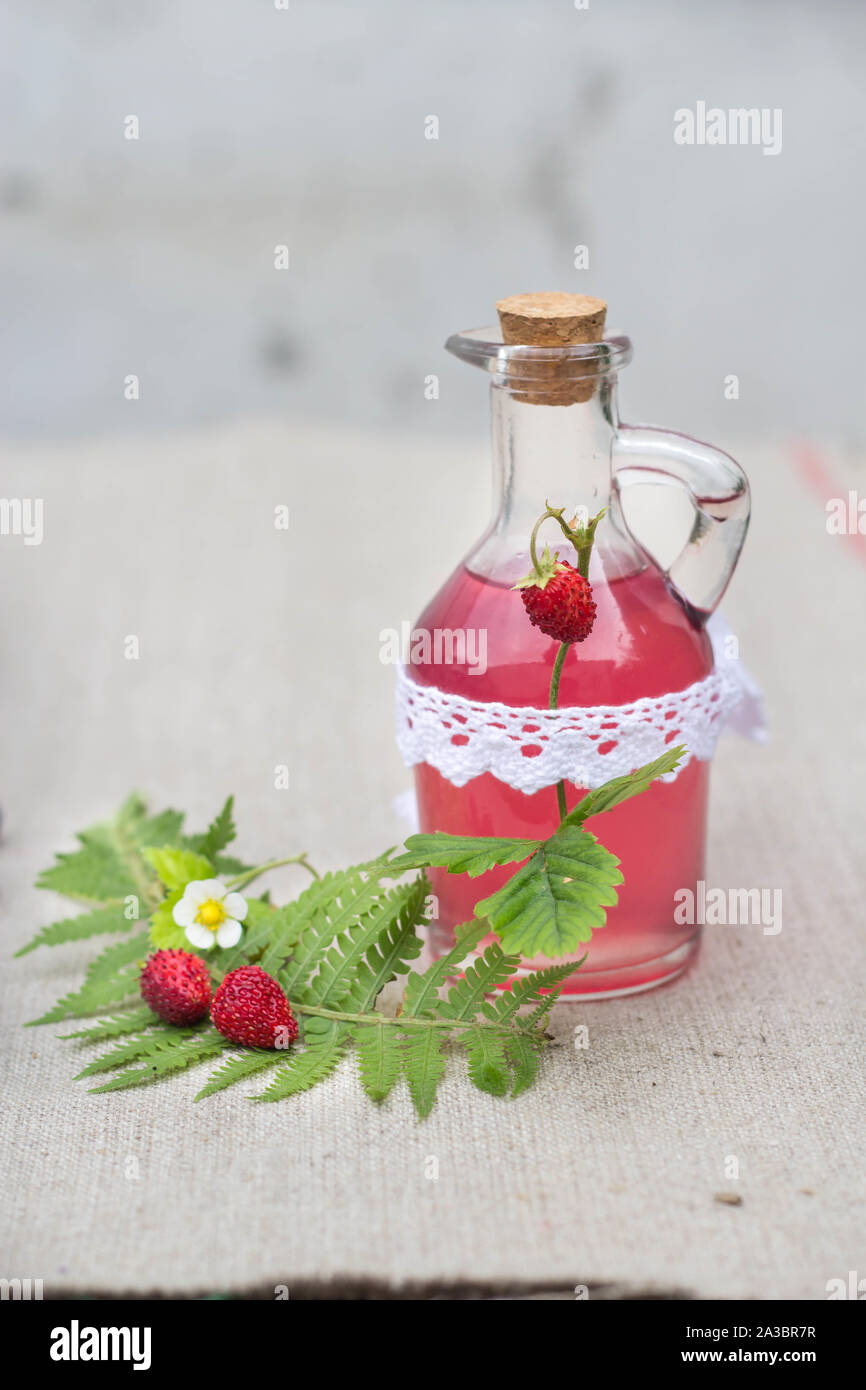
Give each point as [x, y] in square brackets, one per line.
[369, 953]
[530, 989]
[555, 900]
[465, 998]
[321, 1056]
[100, 922]
[298, 916]
[613, 793]
[110, 867]
[174, 1054]
[110, 978]
[236, 1069]
[422, 990]
[488, 1068]
[380, 1058]
[330, 906]
[262, 925]
[220, 832]
[130, 951]
[522, 1051]
[425, 1066]
[397, 945]
[136, 1048]
[130, 1022]
[461, 854]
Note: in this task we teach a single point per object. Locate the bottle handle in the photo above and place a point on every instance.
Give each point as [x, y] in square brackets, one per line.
[719, 493]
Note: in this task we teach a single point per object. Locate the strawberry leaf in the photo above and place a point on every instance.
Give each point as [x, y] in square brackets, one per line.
[620, 789]
[554, 901]
[461, 854]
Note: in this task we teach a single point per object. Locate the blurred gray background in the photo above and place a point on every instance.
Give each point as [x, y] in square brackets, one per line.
[306, 127]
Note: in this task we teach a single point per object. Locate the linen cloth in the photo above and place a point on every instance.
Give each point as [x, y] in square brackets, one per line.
[259, 648]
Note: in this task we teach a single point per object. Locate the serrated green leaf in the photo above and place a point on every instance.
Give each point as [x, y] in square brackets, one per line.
[100, 922]
[541, 987]
[110, 979]
[424, 1065]
[481, 978]
[262, 925]
[380, 1058]
[110, 867]
[330, 905]
[362, 959]
[422, 990]
[461, 854]
[488, 1069]
[133, 950]
[178, 867]
[620, 789]
[319, 1059]
[522, 1051]
[554, 902]
[132, 1021]
[237, 1069]
[165, 934]
[174, 1054]
[134, 1049]
[219, 833]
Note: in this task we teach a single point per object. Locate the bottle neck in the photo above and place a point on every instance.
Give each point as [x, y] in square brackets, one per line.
[559, 454]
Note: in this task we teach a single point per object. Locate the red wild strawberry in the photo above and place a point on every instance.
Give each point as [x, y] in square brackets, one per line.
[176, 985]
[250, 1008]
[558, 600]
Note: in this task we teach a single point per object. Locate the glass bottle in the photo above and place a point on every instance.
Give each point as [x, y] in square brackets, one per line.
[557, 436]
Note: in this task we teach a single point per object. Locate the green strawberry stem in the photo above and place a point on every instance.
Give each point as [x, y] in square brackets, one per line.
[554, 699]
[582, 538]
[406, 1024]
[249, 874]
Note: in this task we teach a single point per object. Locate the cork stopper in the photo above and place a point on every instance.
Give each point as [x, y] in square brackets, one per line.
[553, 320]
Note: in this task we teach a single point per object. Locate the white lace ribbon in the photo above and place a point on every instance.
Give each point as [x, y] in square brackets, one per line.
[531, 748]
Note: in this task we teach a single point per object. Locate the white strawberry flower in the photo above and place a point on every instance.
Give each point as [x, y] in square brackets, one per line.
[210, 914]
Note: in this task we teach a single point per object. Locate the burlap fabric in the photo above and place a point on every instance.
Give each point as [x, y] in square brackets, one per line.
[260, 647]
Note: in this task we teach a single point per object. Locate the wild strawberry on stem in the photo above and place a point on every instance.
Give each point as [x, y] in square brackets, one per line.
[558, 598]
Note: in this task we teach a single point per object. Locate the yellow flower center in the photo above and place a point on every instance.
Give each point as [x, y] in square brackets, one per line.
[211, 914]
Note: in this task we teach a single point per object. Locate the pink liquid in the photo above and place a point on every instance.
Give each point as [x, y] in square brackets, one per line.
[642, 644]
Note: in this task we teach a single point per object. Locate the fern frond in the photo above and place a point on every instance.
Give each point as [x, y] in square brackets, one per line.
[110, 978]
[94, 997]
[422, 989]
[424, 1066]
[380, 1058]
[128, 952]
[219, 833]
[100, 922]
[298, 915]
[530, 989]
[323, 1053]
[362, 959]
[522, 1051]
[109, 866]
[236, 1068]
[488, 1069]
[329, 906]
[173, 1054]
[465, 998]
[131, 1051]
[263, 926]
[130, 1022]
